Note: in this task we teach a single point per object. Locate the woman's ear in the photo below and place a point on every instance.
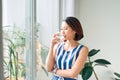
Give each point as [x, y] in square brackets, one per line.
[74, 32]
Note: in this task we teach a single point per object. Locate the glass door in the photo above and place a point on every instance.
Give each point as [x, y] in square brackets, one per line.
[28, 26]
[14, 39]
[47, 24]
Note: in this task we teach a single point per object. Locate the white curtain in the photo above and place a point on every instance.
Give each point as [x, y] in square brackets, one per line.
[68, 8]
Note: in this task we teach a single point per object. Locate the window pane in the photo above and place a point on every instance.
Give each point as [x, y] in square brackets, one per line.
[14, 39]
[31, 38]
[48, 23]
[14, 29]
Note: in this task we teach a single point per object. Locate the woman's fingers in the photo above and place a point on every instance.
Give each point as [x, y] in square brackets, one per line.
[56, 38]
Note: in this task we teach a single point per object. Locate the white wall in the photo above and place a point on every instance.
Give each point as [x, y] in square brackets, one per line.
[100, 21]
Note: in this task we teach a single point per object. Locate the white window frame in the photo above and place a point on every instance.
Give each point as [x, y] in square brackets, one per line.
[30, 42]
[30, 39]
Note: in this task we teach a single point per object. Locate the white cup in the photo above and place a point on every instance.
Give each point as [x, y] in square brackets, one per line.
[60, 36]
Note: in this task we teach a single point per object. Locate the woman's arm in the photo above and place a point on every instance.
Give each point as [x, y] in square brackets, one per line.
[77, 66]
[50, 60]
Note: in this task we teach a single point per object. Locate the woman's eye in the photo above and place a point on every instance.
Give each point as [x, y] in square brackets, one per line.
[61, 29]
[64, 28]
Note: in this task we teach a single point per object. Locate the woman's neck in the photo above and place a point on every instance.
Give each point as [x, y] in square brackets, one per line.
[70, 44]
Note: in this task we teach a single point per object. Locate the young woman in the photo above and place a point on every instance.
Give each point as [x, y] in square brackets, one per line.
[67, 56]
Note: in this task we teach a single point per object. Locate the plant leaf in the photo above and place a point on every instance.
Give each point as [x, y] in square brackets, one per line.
[101, 65]
[118, 75]
[88, 64]
[117, 79]
[102, 61]
[45, 70]
[87, 72]
[93, 52]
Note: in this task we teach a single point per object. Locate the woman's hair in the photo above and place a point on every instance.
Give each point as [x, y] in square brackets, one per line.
[75, 24]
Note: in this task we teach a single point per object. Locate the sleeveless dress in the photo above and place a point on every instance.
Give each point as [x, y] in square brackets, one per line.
[64, 59]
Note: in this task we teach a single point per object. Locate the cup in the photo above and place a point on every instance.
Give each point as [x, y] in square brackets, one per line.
[61, 37]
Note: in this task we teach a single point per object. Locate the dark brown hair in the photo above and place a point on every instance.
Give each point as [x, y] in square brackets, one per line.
[75, 24]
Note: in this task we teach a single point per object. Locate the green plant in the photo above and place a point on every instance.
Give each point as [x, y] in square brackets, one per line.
[44, 52]
[13, 60]
[88, 69]
[14, 44]
[118, 76]
[14, 47]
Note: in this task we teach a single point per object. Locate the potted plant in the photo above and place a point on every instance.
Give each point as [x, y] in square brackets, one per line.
[89, 67]
[117, 75]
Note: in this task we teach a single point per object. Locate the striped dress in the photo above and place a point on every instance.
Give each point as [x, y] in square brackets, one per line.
[64, 59]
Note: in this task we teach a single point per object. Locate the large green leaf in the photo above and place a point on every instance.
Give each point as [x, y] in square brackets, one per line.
[117, 79]
[117, 74]
[101, 65]
[44, 52]
[87, 72]
[88, 64]
[93, 52]
[102, 61]
[46, 72]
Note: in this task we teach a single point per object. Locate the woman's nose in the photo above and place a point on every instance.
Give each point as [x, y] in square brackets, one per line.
[62, 31]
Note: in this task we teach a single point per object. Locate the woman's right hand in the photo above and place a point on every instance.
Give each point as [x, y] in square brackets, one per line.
[50, 60]
[56, 38]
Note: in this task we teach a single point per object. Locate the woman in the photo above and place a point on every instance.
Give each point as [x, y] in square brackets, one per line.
[67, 56]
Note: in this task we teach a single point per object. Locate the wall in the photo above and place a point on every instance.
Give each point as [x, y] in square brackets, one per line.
[100, 21]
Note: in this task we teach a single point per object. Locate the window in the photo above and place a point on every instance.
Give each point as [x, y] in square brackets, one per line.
[28, 26]
[14, 39]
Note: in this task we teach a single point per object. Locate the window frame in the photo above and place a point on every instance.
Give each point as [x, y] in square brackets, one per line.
[30, 14]
[1, 44]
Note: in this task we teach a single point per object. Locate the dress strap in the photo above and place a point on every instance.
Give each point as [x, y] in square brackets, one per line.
[80, 47]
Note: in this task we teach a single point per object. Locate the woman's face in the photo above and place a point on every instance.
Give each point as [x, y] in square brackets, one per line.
[67, 32]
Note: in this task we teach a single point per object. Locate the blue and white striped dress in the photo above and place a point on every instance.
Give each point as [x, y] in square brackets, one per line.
[65, 59]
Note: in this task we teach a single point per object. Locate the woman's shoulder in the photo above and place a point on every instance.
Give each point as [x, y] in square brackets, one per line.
[84, 47]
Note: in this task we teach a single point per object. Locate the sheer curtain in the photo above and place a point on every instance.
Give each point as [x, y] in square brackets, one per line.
[66, 8]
